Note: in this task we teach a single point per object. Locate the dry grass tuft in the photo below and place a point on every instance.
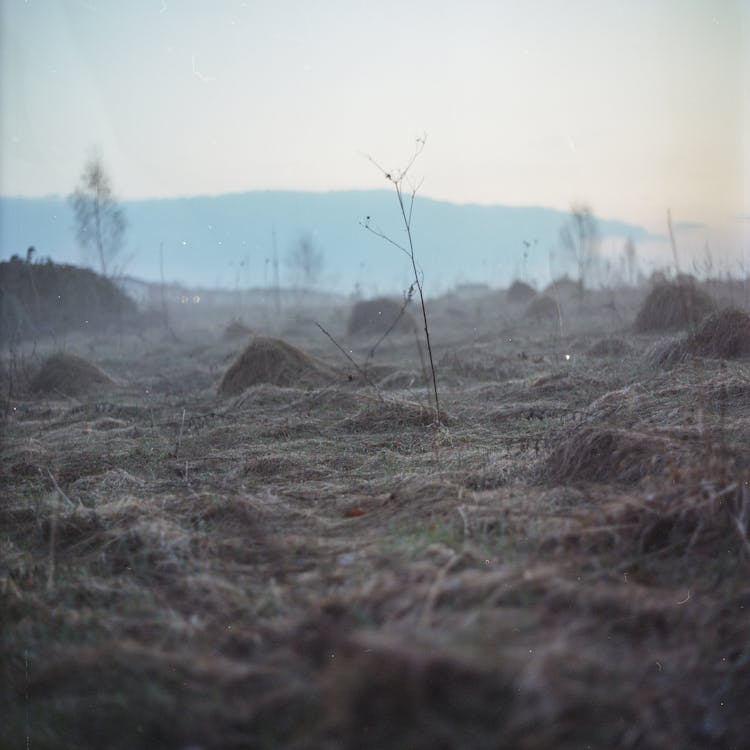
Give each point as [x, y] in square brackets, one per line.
[601, 454]
[520, 291]
[670, 306]
[705, 507]
[542, 307]
[666, 353]
[269, 360]
[69, 375]
[724, 334]
[387, 416]
[376, 316]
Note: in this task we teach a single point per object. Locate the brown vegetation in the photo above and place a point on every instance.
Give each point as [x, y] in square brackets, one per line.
[671, 306]
[68, 375]
[542, 307]
[724, 334]
[314, 564]
[269, 360]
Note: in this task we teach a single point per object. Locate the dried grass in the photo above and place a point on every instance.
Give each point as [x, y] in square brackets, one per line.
[68, 375]
[670, 306]
[272, 361]
[724, 334]
[601, 454]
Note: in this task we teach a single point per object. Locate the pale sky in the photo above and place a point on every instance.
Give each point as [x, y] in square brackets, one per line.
[633, 106]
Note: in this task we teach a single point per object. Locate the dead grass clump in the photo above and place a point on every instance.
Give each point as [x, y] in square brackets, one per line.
[269, 360]
[705, 506]
[389, 416]
[542, 307]
[671, 306]
[666, 353]
[724, 334]
[610, 347]
[237, 330]
[596, 454]
[68, 375]
[377, 316]
[411, 697]
[520, 291]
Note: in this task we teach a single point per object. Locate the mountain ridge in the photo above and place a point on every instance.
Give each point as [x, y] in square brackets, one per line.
[228, 240]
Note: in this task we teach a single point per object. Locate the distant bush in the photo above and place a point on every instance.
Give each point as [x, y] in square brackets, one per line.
[542, 307]
[520, 291]
[672, 306]
[51, 298]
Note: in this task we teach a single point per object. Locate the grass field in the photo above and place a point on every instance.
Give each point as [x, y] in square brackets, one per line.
[563, 563]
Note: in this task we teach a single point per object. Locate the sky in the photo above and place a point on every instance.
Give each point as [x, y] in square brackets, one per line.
[633, 107]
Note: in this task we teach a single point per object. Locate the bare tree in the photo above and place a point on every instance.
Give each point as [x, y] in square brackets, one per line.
[100, 222]
[306, 260]
[579, 238]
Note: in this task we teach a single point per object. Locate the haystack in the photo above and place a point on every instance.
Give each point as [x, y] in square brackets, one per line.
[376, 316]
[269, 360]
[237, 330]
[724, 334]
[520, 291]
[69, 375]
[673, 305]
[542, 307]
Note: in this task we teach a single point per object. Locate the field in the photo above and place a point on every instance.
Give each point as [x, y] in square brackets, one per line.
[562, 563]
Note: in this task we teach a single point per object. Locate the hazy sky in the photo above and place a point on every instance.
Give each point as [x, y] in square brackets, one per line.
[631, 105]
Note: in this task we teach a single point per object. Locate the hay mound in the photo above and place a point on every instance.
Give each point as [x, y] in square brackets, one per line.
[237, 330]
[542, 307]
[69, 375]
[670, 306]
[520, 291]
[269, 360]
[376, 316]
[595, 454]
[724, 334]
[611, 347]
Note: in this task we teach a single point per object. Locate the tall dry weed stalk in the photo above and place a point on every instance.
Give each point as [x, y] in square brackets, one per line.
[406, 206]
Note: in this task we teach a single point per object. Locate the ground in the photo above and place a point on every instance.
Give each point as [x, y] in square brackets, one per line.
[562, 562]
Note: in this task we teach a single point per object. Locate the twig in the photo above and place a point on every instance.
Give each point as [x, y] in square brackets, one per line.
[397, 178]
[362, 372]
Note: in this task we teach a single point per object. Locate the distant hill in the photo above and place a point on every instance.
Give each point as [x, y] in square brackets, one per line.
[228, 240]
